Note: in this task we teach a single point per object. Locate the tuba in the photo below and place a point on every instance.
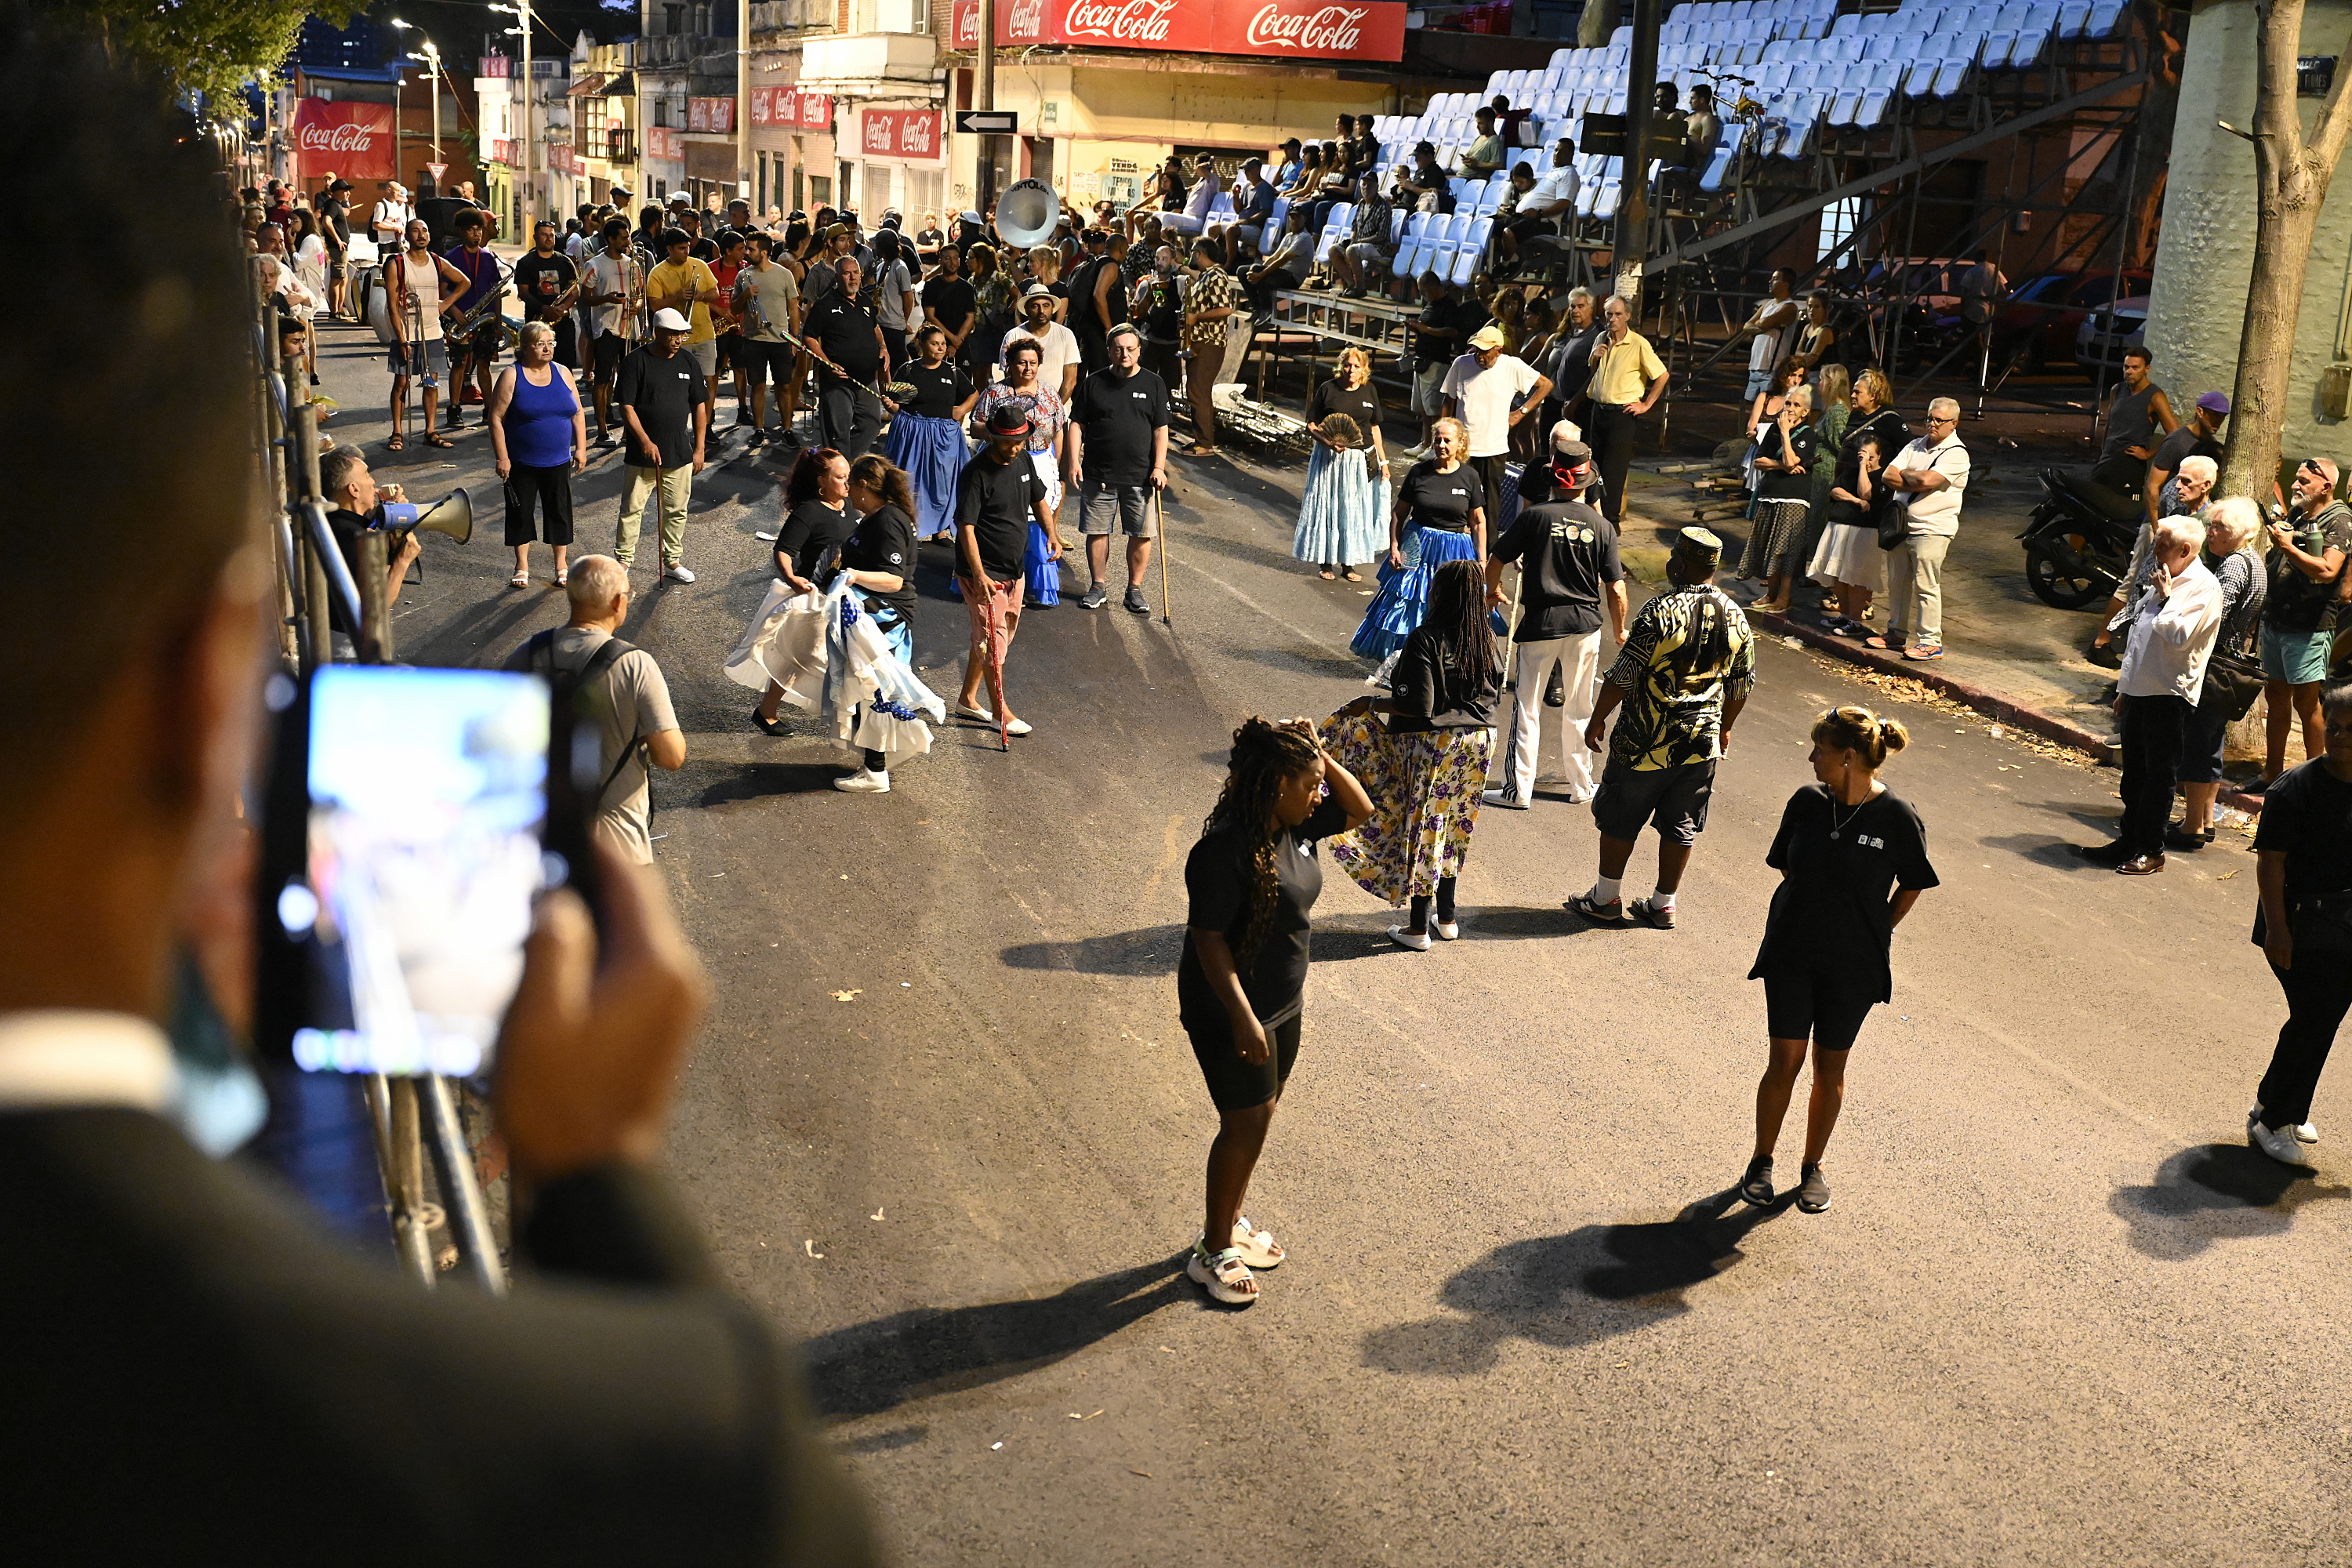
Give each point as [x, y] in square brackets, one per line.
[1028, 214]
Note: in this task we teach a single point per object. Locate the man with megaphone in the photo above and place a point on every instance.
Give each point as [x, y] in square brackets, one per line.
[352, 497]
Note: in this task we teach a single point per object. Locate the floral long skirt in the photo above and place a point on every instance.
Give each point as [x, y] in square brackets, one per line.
[1424, 786]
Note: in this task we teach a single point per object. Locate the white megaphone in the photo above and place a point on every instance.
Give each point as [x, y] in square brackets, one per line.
[452, 515]
[1027, 214]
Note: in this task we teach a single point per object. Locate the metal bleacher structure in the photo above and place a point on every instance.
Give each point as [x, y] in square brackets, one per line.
[1823, 108]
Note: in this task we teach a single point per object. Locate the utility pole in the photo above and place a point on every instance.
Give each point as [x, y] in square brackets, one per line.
[984, 96]
[1632, 239]
[743, 100]
[529, 188]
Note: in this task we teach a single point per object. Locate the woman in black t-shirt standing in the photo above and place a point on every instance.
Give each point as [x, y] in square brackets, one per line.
[1347, 496]
[1252, 880]
[879, 557]
[1786, 449]
[926, 436]
[1440, 515]
[1853, 858]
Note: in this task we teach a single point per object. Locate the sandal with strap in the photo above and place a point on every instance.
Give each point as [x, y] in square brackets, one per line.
[1258, 1249]
[1222, 1274]
[435, 438]
[396, 443]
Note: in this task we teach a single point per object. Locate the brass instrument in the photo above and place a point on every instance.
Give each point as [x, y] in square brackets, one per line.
[483, 314]
[633, 298]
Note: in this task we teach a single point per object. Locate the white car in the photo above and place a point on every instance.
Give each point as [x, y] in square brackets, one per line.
[2105, 334]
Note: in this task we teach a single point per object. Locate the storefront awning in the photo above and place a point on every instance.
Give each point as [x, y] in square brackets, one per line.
[585, 85]
[624, 85]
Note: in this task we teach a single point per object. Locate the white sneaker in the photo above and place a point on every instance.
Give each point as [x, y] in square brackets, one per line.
[2305, 1131]
[1447, 931]
[988, 716]
[678, 575]
[1418, 940]
[2280, 1143]
[865, 781]
[1503, 799]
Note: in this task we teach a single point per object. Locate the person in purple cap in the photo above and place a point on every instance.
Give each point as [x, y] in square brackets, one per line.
[2199, 436]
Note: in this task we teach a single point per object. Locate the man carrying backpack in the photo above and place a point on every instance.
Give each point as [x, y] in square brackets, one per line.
[622, 695]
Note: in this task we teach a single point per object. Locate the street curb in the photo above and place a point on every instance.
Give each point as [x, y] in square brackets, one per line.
[1992, 704]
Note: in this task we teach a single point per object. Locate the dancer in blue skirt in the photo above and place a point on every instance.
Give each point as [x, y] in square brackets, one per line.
[926, 436]
[1440, 515]
[1340, 519]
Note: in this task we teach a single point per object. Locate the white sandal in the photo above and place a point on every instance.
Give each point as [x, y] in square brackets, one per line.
[1258, 1249]
[1223, 1275]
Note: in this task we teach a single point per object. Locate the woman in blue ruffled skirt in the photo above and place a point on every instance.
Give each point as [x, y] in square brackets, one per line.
[1342, 517]
[1440, 515]
[926, 437]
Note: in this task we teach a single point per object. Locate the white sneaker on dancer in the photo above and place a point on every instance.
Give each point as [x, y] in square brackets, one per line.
[865, 781]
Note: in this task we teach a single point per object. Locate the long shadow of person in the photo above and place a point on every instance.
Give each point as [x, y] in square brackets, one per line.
[2215, 1192]
[1589, 1284]
[871, 1367]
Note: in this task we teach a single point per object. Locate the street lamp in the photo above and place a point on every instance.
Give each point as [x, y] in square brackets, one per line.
[522, 13]
[431, 57]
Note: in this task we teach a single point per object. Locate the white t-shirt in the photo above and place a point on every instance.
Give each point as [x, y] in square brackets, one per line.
[391, 217]
[1061, 349]
[609, 274]
[1485, 396]
[1935, 512]
[1765, 351]
[1554, 185]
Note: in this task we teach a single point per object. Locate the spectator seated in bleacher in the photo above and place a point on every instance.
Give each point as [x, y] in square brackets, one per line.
[1365, 254]
[1544, 209]
[1485, 154]
[1281, 173]
[1199, 197]
[1301, 175]
[1508, 119]
[1292, 258]
[1425, 185]
[1253, 202]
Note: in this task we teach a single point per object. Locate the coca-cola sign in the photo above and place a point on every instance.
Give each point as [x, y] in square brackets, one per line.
[1280, 29]
[353, 139]
[899, 133]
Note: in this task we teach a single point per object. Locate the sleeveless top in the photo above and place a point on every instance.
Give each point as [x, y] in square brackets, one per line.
[424, 280]
[539, 421]
[2129, 423]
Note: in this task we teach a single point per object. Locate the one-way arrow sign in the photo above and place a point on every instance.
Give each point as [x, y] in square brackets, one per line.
[987, 121]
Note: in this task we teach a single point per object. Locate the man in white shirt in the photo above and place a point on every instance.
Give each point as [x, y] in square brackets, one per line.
[1060, 372]
[1490, 392]
[1544, 209]
[614, 294]
[1773, 321]
[2163, 676]
[389, 222]
[1930, 476]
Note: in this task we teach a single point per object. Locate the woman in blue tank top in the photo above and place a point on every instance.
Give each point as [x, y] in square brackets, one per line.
[540, 436]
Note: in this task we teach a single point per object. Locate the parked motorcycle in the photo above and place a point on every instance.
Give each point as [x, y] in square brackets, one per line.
[2079, 543]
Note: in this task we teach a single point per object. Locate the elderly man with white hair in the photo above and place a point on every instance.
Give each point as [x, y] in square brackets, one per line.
[2187, 494]
[1929, 476]
[2163, 676]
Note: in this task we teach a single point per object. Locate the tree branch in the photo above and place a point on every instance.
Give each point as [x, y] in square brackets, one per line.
[2330, 131]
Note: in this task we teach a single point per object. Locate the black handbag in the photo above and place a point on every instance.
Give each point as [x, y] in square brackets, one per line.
[2232, 681]
[1894, 523]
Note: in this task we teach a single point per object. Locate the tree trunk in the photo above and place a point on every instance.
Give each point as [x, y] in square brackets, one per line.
[2291, 182]
[1597, 22]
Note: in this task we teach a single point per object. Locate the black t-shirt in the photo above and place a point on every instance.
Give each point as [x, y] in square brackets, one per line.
[1459, 312]
[540, 279]
[665, 393]
[884, 541]
[940, 389]
[949, 301]
[1886, 426]
[1162, 309]
[1086, 320]
[1839, 865]
[1431, 694]
[845, 329]
[1778, 484]
[1361, 404]
[2301, 603]
[2184, 442]
[1119, 414]
[1219, 876]
[1567, 555]
[810, 530]
[1443, 500]
[999, 501]
[347, 527]
[2308, 817]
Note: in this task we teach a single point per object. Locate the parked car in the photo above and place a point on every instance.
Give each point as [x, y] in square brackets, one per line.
[2102, 339]
[2037, 325]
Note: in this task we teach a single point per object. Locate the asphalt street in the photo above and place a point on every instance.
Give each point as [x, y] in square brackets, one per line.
[943, 1126]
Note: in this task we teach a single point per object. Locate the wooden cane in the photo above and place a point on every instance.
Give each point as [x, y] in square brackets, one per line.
[1159, 527]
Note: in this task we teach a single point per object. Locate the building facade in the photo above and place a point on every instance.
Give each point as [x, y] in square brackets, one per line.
[687, 108]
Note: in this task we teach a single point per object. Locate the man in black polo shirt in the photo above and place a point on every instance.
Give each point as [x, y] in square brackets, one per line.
[1116, 452]
[1569, 568]
[848, 341]
[1000, 491]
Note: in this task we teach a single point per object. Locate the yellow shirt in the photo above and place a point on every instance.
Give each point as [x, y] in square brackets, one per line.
[666, 285]
[1625, 370]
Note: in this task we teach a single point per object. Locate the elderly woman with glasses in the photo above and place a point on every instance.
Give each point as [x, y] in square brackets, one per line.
[2232, 526]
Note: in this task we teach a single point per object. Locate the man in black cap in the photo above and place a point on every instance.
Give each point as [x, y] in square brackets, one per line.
[1683, 676]
[335, 229]
[999, 493]
[1569, 568]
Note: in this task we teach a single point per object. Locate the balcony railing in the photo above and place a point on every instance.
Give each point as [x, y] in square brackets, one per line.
[620, 146]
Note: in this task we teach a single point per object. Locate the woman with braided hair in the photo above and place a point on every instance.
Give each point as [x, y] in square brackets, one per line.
[1253, 879]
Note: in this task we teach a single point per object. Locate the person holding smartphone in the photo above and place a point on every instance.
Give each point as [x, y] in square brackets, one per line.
[1253, 879]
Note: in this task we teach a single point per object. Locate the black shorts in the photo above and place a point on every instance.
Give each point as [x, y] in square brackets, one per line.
[1531, 227]
[551, 489]
[482, 348]
[609, 350]
[764, 360]
[1821, 1005]
[1673, 800]
[1234, 1084]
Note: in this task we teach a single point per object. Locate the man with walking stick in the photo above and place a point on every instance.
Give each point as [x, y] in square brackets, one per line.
[1117, 454]
[999, 493]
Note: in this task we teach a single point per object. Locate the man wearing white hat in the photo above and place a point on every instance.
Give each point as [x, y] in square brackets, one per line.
[1490, 392]
[1060, 371]
[667, 407]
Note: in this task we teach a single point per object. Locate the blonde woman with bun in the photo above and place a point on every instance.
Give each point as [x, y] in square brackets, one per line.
[1853, 858]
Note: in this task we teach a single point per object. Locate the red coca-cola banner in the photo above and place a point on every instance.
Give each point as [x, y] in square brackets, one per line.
[710, 114]
[899, 133]
[353, 139]
[1275, 29]
[664, 141]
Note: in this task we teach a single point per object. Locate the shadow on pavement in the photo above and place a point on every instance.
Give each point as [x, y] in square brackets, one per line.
[870, 1368]
[759, 781]
[2215, 1192]
[1563, 1291]
[1150, 951]
[2056, 853]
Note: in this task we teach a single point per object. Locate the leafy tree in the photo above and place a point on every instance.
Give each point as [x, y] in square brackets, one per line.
[203, 48]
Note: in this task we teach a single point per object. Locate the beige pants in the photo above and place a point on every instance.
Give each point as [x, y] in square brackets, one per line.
[676, 484]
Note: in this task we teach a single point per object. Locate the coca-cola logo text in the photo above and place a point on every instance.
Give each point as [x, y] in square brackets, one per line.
[345, 138]
[1026, 20]
[1332, 29]
[1130, 22]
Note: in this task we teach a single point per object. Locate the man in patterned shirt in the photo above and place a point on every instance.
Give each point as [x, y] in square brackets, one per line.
[1683, 676]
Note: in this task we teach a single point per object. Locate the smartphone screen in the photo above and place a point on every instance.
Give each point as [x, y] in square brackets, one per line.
[407, 832]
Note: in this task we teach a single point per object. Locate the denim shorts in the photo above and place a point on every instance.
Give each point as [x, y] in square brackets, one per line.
[1129, 506]
[2300, 658]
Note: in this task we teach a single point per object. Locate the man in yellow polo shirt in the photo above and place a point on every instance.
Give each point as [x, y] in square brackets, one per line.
[680, 282]
[1628, 378]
